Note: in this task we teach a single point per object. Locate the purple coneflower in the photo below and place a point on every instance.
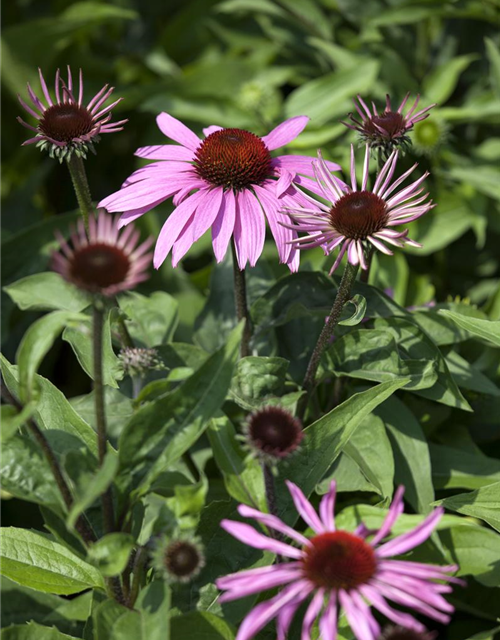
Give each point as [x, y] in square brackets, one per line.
[107, 261]
[389, 128]
[227, 181]
[66, 125]
[273, 433]
[340, 570]
[356, 218]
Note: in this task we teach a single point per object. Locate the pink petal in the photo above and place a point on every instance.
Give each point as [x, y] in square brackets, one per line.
[406, 541]
[165, 152]
[250, 233]
[185, 240]
[223, 226]
[273, 522]
[271, 205]
[212, 129]
[357, 621]
[246, 587]
[396, 509]
[398, 617]
[285, 180]
[327, 506]
[285, 616]
[311, 614]
[174, 225]
[300, 164]
[285, 132]
[207, 211]
[305, 508]
[250, 536]
[328, 622]
[176, 130]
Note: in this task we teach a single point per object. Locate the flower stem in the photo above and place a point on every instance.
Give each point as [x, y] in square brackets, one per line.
[100, 414]
[140, 561]
[343, 295]
[82, 525]
[80, 184]
[240, 295]
[272, 503]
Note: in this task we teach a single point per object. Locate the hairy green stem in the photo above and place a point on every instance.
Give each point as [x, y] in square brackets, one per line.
[80, 183]
[140, 561]
[82, 525]
[100, 413]
[240, 296]
[343, 295]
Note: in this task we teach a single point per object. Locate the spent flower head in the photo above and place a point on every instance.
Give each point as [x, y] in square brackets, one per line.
[179, 559]
[106, 261]
[65, 125]
[273, 433]
[137, 361]
[359, 217]
[389, 129]
[340, 571]
[227, 182]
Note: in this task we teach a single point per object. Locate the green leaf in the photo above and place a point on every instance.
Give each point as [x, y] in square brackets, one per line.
[36, 343]
[485, 178]
[242, 474]
[441, 82]
[161, 431]
[111, 553]
[92, 487]
[454, 468]
[34, 631]
[468, 377]
[47, 291]
[375, 354]
[119, 410]
[257, 378]
[359, 303]
[411, 453]
[12, 419]
[488, 330]
[34, 561]
[483, 503]
[20, 454]
[493, 54]
[417, 345]
[151, 320]
[62, 426]
[329, 96]
[325, 439]
[81, 341]
[200, 625]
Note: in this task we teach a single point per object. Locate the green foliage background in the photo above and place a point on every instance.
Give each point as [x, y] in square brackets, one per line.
[251, 64]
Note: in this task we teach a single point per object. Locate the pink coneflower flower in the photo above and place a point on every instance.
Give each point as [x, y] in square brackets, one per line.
[389, 128]
[108, 261]
[66, 125]
[227, 181]
[357, 218]
[340, 570]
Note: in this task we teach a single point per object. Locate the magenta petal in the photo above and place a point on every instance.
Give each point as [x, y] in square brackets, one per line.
[176, 130]
[247, 587]
[207, 211]
[301, 164]
[137, 195]
[174, 225]
[271, 205]
[327, 506]
[285, 132]
[311, 614]
[133, 214]
[273, 522]
[398, 617]
[248, 535]
[305, 508]
[284, 181]
[253, 225]
[328, 622]
[357, 621]
[285, 617]
[185, 239]
[165, 152]
[406, 541]
[396, 509]
[223, 226]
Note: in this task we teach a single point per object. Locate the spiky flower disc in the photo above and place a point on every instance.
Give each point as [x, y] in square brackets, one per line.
[179, 559]
[273, 433]
[388, 129]
[66, 125]
[357, 218]
[107, 261]
[138, 361]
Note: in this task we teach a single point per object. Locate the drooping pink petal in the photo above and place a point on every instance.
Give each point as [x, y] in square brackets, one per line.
[240, 589]
[174, 225]
[285, 132]
[176, 130]
[270, 206]
[312, 613]
[207, 211]
[223, 226]
[398, 617]
[328, 621]
[250, 233]
[327, 507]
[396, 509]
[357, 621]
[273, 522]
[285, 616]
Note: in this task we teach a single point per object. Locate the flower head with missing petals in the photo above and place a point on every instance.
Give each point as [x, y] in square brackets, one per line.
[273, 433]
[227, 181]
[357, 218]
[107, 261]
[179, 559]
[389, 129]
[339, 570]
[66, 125]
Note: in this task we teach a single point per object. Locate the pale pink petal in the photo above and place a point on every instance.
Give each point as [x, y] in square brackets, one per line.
[185, 239]
[165, 152]
[176, 130]
[252, 225]
[248, 535]
[212, 129]
[223, 226]
[207, 211]
[270, 205]
[284, 181]
[285, 132]
[301, 164]
[305, 508]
